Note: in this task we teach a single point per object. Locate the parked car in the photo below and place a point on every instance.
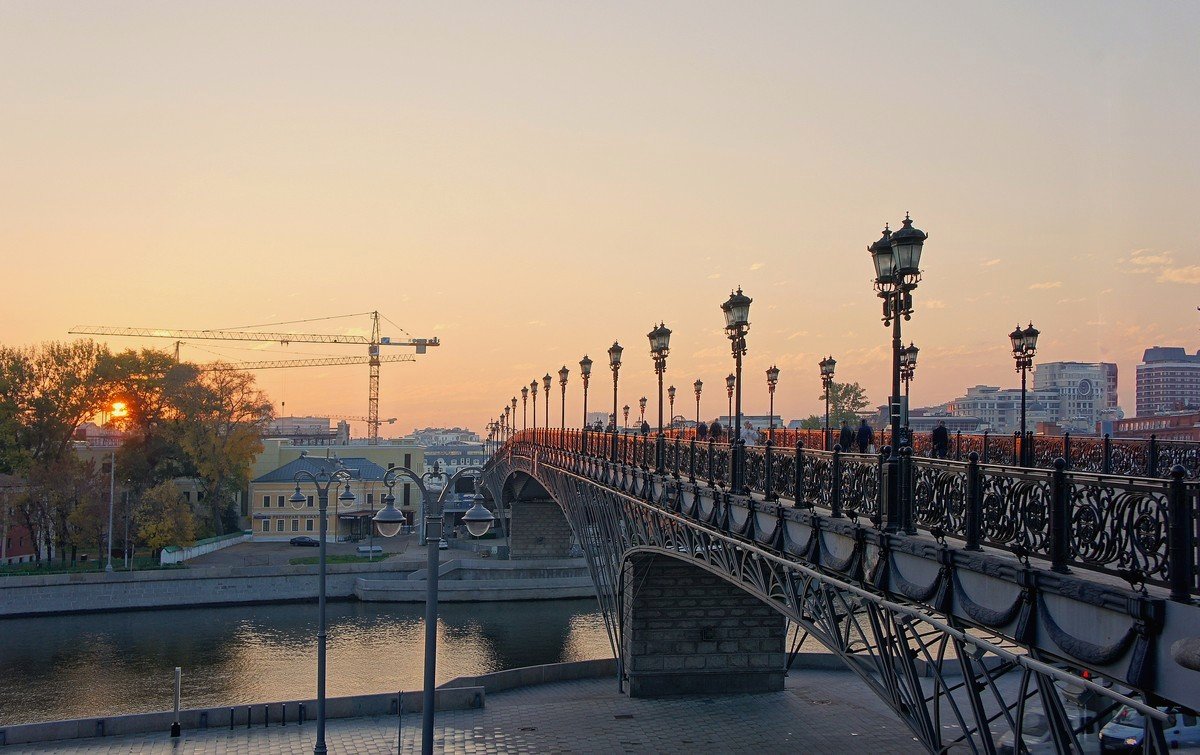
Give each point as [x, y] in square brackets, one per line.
[1124, 733]
[305, 540]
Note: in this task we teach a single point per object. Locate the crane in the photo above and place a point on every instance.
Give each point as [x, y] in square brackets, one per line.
[373, 357]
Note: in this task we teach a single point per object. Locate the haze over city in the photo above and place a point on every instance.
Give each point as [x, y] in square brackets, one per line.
[530, 182]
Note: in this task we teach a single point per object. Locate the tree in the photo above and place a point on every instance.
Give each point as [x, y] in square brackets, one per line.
[846, 400]
[164, 518]
[813, 422]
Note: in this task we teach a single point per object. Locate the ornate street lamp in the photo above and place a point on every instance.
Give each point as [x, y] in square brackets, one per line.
[1024, 348]
[524, 408]
[908, 365]
[671, 411]
[730, 385]
[388, 522]
[323, 480]
[533, 386]
[642, 407]
[507, 422]
[772, 380]
[698, 385]
[827, 366]
[585, 372]
[737, 323]
[512, 426]
[897, 260]
[614, 362]
[625, 421]
[562, 381]
[546, 383]
[660, 347]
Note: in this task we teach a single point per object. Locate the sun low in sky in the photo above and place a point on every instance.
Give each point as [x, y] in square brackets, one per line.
[530, 181]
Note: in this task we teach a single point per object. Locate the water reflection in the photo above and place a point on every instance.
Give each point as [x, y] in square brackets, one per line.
[77, 666]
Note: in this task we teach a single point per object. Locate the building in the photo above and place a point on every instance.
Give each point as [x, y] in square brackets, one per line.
[274, 516]
[16, 542]
[998, 410]
[1177, 426]
[438, 436]
[1081, 394]
[454, 456]
[1168, 380]
[308, 431]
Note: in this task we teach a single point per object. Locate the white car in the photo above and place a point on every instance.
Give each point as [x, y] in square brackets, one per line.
[1124, 733]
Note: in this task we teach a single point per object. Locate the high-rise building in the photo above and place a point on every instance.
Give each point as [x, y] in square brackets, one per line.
[1168, 380]
[1085, 393]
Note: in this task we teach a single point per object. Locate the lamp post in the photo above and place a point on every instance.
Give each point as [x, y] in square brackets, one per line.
[698, 385]
[512, 426]
[562, 381]
[546, 381]
[388, 522]
[119, 409]
[660, 347]
[533, 386]
[737, 323]
[614, 361]
[671, 400]
[524, 408]
[642, 409]
[772, 379]
[585, 372]
[625, 415]
[730, 384]
[1024, 348]
[827, 365]
[897, 259]
[323, 480]
[908, 365]
[507, 423]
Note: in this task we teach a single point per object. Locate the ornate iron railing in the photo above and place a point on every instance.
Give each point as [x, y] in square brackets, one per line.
[1142, 529]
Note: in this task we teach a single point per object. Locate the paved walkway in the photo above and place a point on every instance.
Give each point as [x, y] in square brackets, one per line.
[819, 712]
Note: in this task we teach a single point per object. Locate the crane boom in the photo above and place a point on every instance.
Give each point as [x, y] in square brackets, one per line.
[315, 362]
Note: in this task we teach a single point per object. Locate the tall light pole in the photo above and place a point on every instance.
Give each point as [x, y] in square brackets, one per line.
[827, 365]
[730, 385]
[642, 409]
[737, 323]
[546, 382]
[625, 420]
[524, 408]
[533, 386]
[897, 260]
[507, 422]
[1024, 348]
[388, 523]
[513, 425]
[585, 372]
[699, 386]
[323, 480]
[119, 409]
[908, 366]
[772, 380]
[614, 361]
[671, 399]
[660, 347]
[562, 381]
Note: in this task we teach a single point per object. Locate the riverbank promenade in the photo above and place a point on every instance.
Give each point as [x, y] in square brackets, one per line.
[818, 712]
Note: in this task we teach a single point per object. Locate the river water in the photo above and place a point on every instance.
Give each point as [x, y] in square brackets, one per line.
[106, 664]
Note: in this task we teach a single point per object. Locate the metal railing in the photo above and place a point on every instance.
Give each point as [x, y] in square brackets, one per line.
[1139, 528]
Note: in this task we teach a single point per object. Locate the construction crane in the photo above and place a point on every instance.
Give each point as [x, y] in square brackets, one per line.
[372, 358]
[389, 420]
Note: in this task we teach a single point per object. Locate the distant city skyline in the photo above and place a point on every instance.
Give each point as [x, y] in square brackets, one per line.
[529, 183]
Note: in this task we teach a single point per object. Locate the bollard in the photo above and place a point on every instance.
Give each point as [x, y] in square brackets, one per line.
[204, 719]
[100, 728]
[175, 724]
[300, 715]
[266, 716]
[249, 716]
[231, 711]
[283, 714]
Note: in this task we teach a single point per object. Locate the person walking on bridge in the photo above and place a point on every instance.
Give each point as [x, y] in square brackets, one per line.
[865, 437]
[941, 440]
[846, 439]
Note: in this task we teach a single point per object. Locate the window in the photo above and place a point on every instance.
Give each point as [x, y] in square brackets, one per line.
[266, 525]
[280, 501]
[370, 498]
[308, 525]
[266, 501]
[295, 524]
[310, 501]
[407, 494]
[279, 524]
[408, 460]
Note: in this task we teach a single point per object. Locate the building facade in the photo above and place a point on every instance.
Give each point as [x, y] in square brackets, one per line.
[1081, 394]
[998, 410]
[1168, 380]
[1177, 426]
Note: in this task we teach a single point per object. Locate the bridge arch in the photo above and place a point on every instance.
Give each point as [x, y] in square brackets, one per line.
[535, 521]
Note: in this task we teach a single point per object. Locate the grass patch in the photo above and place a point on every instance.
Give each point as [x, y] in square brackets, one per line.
[341, 558]
[94, 567]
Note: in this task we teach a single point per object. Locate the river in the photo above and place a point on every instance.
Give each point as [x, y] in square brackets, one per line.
[106, 664]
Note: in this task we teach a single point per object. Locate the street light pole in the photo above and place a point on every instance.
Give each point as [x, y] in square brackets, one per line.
[112, 491]
[660, 347]
[772, 380]
[533, 386]
[323, 480]
[524, 408]
[908, 366]
[1024, 348]
[671, 400]
[827, 366]
[562, 381]
[730, 384]
[585, 372]
[642, 410]
[512, 426]
[737, 323]
[614, 361]
[897, 259]
[698, 385]
[546, 381]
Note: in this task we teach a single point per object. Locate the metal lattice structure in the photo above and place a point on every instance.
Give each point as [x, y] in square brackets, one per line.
[962, 685]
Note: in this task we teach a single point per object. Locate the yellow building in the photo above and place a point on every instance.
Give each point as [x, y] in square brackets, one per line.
[273, 516]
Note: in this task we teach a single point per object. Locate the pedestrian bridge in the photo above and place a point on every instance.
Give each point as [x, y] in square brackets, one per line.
[987, 594]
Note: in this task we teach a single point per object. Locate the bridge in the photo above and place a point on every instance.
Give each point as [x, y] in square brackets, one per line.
[975, 597]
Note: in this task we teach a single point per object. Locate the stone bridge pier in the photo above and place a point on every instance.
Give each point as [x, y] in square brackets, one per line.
[537, 526]
[688, 631]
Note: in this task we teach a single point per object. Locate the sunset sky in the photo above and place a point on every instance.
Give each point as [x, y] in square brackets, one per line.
[529, 181]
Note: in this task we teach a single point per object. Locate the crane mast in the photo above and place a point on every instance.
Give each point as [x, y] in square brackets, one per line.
[373, 357]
